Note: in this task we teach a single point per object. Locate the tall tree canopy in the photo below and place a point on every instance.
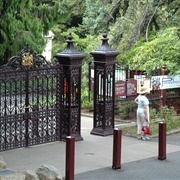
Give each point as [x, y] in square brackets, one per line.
[148, 35]
[25, 22]
[131, 25]
[141, 17]
[135, 23]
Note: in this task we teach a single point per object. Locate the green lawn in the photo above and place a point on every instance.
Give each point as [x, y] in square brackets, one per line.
[171, 124]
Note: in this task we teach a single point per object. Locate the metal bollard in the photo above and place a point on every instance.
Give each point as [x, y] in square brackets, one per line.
[70, 151]
[117, 149]
[162, 141]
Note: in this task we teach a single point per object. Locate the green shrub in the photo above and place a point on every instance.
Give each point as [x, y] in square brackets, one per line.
[87, 105]
[126, 109]
[167, 113]
[153, 113]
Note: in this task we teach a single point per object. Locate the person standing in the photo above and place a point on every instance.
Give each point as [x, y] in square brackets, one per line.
[142, 111]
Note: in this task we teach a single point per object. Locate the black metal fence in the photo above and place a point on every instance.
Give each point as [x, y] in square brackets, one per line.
[40, 102]
[125, 107]
[126, 92]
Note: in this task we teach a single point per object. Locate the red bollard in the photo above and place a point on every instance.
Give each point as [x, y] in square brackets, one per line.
[70, 151]
[117, 149]
[162, 141]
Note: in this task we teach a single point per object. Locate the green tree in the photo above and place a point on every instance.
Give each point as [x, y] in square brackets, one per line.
[25, 22]
[139, 17]
[95, 18]
[140, 33]
[68, 24]
[164, 47]
[145, 32]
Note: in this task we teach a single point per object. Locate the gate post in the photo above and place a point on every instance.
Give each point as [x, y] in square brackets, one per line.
[71, 62]
[163, 91]
[104, 88]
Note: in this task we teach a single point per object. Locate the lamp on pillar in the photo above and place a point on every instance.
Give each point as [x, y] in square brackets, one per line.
[104, 91]
[71, 62]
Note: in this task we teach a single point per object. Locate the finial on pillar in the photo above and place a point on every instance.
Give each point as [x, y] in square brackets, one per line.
[70, 46]
[164, 66]
[69, 37]
[104, 34]
[70, 53]
[105, 49]
[105, 46]
[163, 70]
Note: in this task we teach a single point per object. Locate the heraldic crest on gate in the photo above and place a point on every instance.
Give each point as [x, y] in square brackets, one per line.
[26, 58]
[30, 101]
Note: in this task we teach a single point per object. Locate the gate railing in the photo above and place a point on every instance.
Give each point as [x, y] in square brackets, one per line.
[40, 102]
[30, 101]
[126, 90]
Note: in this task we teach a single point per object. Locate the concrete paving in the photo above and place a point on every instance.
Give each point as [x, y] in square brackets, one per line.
[93, 157]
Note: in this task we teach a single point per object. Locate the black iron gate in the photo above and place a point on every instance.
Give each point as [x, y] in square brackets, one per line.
[30, 101]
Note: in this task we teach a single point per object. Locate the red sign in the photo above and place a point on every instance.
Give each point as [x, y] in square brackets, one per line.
[131, 87]
[120, 88]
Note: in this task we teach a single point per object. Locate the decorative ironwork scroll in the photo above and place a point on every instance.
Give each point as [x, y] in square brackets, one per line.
[27, 58]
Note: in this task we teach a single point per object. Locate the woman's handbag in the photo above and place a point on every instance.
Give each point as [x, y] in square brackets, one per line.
[146, 130]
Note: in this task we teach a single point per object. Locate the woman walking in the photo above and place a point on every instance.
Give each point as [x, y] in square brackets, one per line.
[142, 111]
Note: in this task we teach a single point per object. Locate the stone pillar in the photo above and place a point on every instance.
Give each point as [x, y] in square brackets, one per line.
[71, 62]
[104, 88]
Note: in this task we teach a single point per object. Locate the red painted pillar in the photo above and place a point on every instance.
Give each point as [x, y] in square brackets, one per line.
[163, 91]
[117, 149]
[162, 141]
[70, 151]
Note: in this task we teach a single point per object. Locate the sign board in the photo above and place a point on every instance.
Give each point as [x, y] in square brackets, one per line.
[131, 87]
[145, 82]
[165, 82]
[120, 88]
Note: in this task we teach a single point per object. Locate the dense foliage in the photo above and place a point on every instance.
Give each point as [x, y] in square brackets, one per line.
[145, 32]
[25, 22]
[150, 56]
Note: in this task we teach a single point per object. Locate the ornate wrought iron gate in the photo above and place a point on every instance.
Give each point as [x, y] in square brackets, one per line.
[30, 101]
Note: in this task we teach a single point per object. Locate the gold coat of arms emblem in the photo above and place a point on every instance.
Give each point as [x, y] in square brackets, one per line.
[27, 59]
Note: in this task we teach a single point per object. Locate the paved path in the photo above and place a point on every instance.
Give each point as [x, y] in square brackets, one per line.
[93, 157]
